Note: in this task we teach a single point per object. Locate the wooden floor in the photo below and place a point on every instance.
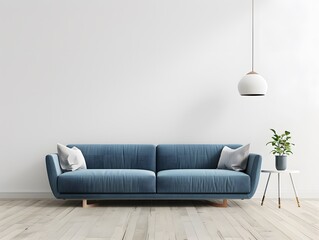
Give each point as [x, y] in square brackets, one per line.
[243, 219]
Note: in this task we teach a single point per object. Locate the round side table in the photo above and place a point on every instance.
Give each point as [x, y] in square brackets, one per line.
[278, 173]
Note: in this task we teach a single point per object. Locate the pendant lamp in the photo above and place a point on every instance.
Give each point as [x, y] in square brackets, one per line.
[252, 84]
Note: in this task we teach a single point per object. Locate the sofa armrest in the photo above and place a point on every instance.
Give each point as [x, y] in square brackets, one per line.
[53, 170]
[253, 170]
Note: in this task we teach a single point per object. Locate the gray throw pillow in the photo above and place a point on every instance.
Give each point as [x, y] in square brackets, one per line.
[234, 159]
[70, 159]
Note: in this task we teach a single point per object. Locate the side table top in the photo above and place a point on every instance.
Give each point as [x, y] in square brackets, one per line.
[280, 171]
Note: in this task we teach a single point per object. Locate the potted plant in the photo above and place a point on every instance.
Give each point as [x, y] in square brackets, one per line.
[281, 148]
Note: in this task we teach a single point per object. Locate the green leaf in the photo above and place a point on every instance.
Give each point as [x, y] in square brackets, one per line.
[273, 130]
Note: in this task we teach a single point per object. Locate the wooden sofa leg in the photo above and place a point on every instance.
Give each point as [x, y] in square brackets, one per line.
[86, 205]
[224, 204]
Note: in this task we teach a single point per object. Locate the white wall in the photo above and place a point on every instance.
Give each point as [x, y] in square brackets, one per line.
[154, 72]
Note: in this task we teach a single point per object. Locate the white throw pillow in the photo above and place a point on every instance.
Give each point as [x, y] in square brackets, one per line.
[234, 159]
[70, 159]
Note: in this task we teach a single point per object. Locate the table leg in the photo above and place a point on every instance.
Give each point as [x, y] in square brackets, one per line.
[279, 205]
[293, 185]
[262, 200]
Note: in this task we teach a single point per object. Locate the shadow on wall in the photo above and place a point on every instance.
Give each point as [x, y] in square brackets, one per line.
[26, 178]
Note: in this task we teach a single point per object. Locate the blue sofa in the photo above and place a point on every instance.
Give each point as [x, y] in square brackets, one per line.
[167, 171]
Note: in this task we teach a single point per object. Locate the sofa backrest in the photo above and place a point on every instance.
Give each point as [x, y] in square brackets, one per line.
[189, 156]
[118, 156]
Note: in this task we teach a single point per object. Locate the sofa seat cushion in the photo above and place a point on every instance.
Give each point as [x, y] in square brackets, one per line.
[107, 181]
[202, 181]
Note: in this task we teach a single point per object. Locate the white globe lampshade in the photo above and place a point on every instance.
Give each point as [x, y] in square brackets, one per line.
[252, 84]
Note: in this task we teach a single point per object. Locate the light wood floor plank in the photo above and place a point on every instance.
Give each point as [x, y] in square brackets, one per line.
[197, 223]
[130, 230]
[177, 211]
[152, 220]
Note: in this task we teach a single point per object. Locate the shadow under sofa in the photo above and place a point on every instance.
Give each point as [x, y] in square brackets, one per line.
[142, 171]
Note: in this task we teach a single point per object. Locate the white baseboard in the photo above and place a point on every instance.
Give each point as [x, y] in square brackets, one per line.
[25, 195]
[49, 195]
[288, 194]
